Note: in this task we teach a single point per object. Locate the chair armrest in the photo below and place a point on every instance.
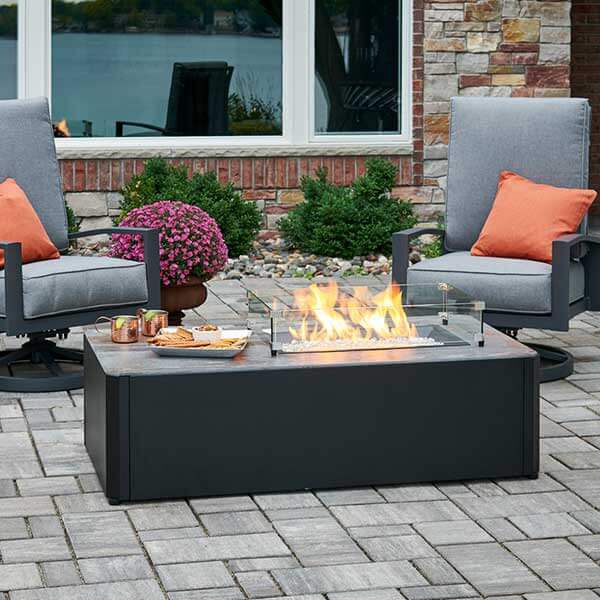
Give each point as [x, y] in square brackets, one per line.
[151, 255]
[13, 283]
[143, 231]
[564, 250]
[119, 125]
[401, 249]
[570, 241]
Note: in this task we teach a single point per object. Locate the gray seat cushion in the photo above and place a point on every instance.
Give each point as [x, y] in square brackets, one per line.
[77, 283]
[507, 284]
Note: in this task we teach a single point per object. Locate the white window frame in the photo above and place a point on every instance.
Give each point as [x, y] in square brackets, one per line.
[298, 95]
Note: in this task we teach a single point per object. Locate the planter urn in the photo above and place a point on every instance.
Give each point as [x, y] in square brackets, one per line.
[175, 299]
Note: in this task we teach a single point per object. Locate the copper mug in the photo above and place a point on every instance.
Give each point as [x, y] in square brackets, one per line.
[152, 321]
[123, 328]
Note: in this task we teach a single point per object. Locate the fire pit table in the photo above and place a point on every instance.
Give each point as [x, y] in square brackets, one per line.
[407, 385]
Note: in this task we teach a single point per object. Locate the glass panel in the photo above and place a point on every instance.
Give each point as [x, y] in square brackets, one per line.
[357, 65]
[8, 49]
[325, 318]
[173, 67]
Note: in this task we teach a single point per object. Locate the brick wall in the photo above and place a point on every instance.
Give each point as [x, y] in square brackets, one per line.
[585, 75]
[461, 47]
[92, 186]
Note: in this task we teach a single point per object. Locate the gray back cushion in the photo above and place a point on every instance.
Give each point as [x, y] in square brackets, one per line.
[545, 139]
[28, 155]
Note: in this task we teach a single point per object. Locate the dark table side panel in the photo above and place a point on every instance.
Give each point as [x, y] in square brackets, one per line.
[240, 432]
[95, 424]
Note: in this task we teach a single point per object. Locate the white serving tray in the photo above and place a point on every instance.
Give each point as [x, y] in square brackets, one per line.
[206, 352]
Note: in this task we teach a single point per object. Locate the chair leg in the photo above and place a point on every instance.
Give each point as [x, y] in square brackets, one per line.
[40, 351]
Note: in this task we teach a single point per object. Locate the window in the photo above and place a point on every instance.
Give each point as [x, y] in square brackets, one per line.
[357, 64]
[167, 68]
[8, 49]
[227, 73]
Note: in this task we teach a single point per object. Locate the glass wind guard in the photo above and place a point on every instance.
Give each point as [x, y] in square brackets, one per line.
[328, 318]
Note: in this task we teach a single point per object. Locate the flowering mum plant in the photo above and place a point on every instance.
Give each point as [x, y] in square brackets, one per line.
[190, 241]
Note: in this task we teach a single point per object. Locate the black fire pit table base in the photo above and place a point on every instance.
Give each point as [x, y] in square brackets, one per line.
[171, 428]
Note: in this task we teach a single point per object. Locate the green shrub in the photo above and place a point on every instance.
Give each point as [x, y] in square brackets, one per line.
[159, 181]
[72, 224]
[433, 249]
[348, 221]
[239, 220]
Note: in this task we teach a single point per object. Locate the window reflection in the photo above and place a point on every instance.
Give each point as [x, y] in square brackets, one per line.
[8, 49]
[167, 67]
[357, 53]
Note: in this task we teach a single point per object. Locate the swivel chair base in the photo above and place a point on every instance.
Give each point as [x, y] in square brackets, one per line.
[60, 369]
[555, 363]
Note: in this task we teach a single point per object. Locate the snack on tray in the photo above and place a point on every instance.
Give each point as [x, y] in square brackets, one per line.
[183, 338]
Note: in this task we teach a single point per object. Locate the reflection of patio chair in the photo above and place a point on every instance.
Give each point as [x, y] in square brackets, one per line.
[197, 101]
[378, 99]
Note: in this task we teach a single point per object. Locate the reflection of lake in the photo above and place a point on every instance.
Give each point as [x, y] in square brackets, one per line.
[107, 77]
[8, 68]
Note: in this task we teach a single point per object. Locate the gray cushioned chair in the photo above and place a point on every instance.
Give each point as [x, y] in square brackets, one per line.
[44, 299]
[546, 140]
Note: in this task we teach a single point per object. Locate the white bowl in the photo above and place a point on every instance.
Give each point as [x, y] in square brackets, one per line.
[207, 336]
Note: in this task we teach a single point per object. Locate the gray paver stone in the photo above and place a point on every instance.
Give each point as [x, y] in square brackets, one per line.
[250, 521]
[319, 542]
[452, 532]
[46, 527]
[444, 592]
[163, 517]
[258, 584]
[549, 526]
[559, 563]
[297, 500]
[61, 573]
[437, 571]
[342, 578]
[122, 590]
[48, 486]
[367, 595]
[397, 513]
[217, 548]
[233, 593]
[114, 568]
[225, 504]
[193, 576]
[403, 547]
[36, 550]
[350, 496]
[18, 577]
[13, 528]
[491, 569]
[101, 534]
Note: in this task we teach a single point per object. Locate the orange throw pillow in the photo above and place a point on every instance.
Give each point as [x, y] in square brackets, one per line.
[527, 217]
[19, 223]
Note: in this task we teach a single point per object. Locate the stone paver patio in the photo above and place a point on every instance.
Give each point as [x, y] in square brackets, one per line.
[509, 539]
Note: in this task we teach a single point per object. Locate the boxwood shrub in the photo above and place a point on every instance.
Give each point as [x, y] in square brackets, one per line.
[238, 219]
[348, 221]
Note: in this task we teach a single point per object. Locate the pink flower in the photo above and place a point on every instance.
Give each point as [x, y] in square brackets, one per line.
[190, 241]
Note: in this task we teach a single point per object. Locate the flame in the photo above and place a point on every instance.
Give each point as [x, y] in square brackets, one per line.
[328, 314]
[61, 129]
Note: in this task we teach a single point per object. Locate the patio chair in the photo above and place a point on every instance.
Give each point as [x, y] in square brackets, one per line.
[42, 300]
[198, 101]
[546, 140]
